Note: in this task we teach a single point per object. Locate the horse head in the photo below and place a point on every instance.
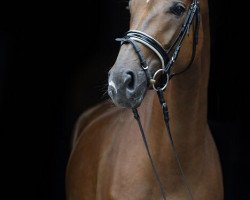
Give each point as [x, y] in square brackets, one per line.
[161, 21]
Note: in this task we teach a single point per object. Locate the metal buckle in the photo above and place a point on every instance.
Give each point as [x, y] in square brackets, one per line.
[153, 81]
[144, 68]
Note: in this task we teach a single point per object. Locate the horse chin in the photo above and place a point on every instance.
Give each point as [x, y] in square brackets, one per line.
[130, 99]
[130, 103]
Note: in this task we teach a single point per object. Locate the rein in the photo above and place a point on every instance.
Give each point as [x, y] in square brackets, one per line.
[133, 37]
[166, 120]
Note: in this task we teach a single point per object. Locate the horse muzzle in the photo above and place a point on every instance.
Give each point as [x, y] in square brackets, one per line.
[127, 87]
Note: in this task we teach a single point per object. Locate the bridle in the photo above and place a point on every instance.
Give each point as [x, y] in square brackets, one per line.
[133, 37]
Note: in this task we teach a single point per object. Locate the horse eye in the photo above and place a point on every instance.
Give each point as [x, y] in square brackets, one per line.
[177, 9]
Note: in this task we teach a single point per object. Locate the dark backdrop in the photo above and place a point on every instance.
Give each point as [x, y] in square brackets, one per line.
[53, 65]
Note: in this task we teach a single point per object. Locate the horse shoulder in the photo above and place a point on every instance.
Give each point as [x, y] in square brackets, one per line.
[87, 117]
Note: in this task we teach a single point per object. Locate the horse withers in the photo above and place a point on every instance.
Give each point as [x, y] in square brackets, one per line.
[109, 159]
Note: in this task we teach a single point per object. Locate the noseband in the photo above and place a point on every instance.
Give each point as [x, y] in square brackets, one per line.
[167, 58]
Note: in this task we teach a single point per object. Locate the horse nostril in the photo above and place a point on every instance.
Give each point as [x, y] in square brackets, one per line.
[129, 80]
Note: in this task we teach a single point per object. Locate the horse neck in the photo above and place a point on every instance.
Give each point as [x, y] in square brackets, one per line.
[186, 97]
[187, 101]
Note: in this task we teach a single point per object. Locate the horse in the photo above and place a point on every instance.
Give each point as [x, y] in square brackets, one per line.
[167, 48]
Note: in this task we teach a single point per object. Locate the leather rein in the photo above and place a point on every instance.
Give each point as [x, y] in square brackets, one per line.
[134, 37]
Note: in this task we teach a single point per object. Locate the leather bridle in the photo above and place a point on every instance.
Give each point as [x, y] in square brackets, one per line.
[167, 59]
[134, 36]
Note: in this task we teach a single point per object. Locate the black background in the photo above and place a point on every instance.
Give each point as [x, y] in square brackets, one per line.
[53, 65]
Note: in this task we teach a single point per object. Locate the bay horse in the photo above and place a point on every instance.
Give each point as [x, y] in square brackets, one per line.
[167, 47]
